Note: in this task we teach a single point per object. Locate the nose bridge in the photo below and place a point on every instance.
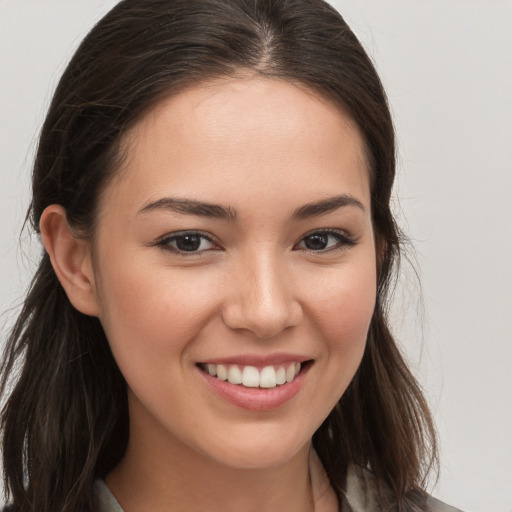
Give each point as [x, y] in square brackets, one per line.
[263, 299]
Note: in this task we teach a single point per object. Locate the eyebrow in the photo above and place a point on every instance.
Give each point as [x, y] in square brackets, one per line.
[326, 206]
[190, 207]
[202, 209]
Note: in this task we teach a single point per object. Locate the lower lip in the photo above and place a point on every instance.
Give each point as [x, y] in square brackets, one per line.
[256, 399]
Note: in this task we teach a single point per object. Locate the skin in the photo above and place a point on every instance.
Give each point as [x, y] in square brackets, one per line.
[263, 148]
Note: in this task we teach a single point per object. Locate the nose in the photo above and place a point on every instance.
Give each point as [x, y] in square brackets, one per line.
[262, 299]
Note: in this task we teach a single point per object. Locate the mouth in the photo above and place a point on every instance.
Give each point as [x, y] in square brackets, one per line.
[248, 376]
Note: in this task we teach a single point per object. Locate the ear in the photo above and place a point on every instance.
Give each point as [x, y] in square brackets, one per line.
[71, 259]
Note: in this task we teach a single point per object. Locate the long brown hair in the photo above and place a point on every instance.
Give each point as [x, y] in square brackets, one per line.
[65, 422]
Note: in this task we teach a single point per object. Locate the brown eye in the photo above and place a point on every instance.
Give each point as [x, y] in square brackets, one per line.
[188, 243]
[183, 243]
[316, 242]
[325, 241]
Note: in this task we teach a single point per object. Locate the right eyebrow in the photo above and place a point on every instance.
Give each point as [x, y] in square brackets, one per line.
[327, 206]
[190, 207]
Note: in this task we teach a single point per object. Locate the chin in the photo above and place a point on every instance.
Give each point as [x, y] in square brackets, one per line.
[259, 453]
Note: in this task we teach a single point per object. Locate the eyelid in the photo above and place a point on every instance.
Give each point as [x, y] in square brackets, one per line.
[164, 241]
[344, 240]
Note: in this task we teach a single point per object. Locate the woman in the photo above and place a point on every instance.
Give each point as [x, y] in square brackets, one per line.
[207, 327]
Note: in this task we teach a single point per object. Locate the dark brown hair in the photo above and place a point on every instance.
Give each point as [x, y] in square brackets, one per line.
[66, 420]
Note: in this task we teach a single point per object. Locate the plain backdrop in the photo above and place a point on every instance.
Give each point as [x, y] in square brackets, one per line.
[447, 68]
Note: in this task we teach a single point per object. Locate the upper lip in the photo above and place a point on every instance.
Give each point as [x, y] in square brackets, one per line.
[258, 359]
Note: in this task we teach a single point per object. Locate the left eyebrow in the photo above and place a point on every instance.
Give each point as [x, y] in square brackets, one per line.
[326, 206]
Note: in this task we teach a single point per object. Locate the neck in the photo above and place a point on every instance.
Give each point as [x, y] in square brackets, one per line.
[163, 474]
[186, 481]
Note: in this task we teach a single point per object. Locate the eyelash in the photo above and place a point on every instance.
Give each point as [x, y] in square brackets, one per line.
[165, 242]
[342, 239]
[342, 242]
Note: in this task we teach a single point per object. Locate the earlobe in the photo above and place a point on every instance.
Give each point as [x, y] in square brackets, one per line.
[70, 256]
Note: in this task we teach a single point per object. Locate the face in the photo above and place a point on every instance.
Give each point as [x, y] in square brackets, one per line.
[236, 243]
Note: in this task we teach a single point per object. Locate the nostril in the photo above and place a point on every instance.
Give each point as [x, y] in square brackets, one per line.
[264, 320]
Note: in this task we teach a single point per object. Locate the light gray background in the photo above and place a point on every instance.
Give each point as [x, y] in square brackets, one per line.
[447, 67]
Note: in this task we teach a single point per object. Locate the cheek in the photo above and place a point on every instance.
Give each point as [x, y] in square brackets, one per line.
[340, 313]
[147, 313]
[342, 317]
[345, 308]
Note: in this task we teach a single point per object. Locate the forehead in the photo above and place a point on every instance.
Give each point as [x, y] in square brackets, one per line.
[249, 132]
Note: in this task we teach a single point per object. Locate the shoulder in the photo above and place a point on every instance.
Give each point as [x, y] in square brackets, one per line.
[438, 506]
[362, 496]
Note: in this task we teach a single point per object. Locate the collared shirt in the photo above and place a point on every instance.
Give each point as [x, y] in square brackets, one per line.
[360, 495]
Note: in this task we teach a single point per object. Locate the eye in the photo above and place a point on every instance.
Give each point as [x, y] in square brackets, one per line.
[325, 240]
[187, 242]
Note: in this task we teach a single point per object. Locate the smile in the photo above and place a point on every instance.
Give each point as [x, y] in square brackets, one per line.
[256, 383]
[252, 377]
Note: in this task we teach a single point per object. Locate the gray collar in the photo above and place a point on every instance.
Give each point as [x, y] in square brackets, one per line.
[105, 499]
[360, 496]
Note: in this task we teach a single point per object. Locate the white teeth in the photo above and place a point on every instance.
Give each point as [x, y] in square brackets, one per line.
[222, 372]
[268, 378]
[290, 372]
[249, 376]
[280, 376]
[234, 375]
